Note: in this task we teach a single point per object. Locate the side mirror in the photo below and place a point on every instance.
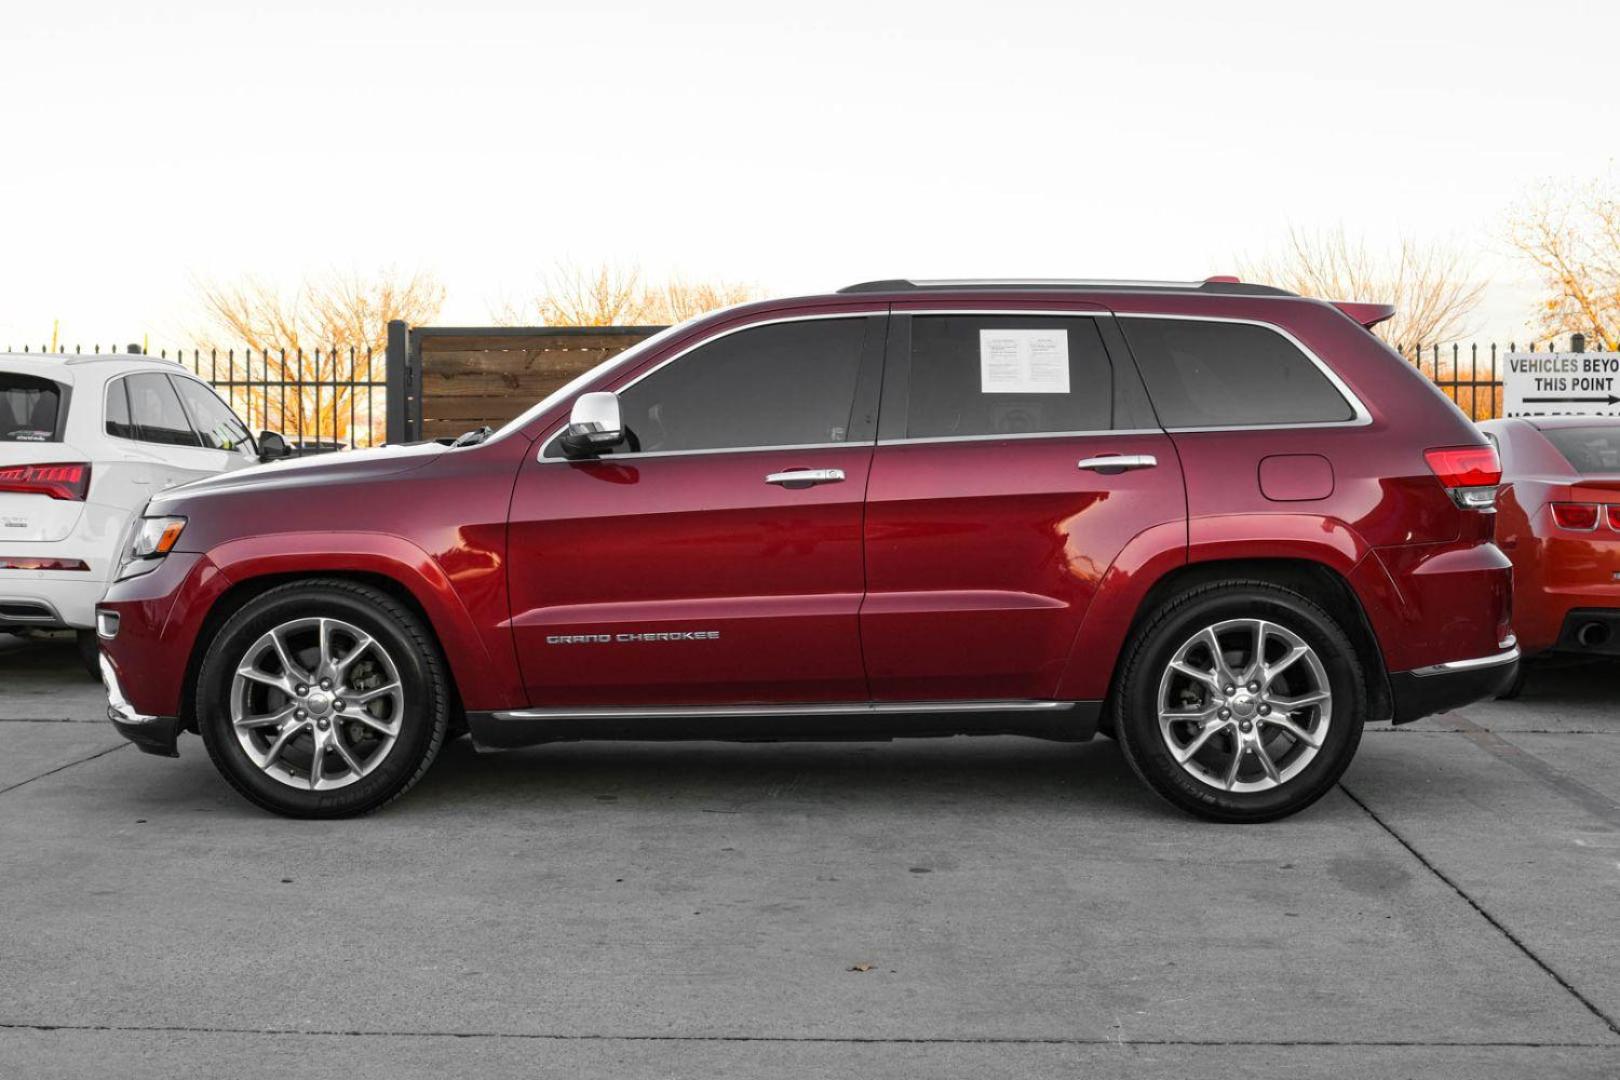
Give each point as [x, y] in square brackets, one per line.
[594, 425]
[273, 447]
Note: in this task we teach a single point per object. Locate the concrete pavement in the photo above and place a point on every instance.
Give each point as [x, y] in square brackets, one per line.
[670, 910]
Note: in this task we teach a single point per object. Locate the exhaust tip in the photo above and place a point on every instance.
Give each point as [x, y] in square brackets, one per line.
[1593, 634]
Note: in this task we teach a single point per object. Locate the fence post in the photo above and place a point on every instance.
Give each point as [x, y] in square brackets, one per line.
[398, 374]
[1577, 343]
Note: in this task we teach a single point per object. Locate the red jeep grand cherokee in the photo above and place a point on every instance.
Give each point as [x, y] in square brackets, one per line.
[1218, 521]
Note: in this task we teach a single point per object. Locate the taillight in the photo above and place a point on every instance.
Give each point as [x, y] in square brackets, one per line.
[1580, 517]
[1470, 473]
[58, 481]
[1614, 517]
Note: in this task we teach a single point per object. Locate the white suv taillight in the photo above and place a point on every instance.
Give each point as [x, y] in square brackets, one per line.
[1471, 474]
[59, 481]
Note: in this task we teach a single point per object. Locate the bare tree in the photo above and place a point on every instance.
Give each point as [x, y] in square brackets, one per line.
[612, 295]
[1433, 286]
[1572, 236]
[330, 331]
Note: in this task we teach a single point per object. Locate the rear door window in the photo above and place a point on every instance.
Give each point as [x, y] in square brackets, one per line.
[1206, 374]
[1589, 450]
[989, 375]
[155, 414]
[30, 409]
[216, 424]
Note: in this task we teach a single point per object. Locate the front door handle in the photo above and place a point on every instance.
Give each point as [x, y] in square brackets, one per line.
[1118, 463]
[803, 478]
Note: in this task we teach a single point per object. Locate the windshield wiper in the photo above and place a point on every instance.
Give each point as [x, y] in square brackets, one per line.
[472, 438]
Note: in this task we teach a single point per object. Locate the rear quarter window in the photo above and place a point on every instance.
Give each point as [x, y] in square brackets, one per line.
[145, 408]
[30, 409]
[1206, 374]
[1589, 450]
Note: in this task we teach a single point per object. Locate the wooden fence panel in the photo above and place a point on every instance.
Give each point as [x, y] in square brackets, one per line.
[474, 378]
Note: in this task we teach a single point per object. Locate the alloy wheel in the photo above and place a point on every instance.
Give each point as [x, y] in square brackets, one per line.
[1244, 705]
[317, 703]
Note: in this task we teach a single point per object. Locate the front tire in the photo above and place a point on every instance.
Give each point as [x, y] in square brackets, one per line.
[1241, 702]
[323, 699]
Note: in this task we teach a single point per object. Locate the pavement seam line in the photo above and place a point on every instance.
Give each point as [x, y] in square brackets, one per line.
[1514, 731]
[60, 768]
[1557, 781]
[898, 1040]
[1501, 928]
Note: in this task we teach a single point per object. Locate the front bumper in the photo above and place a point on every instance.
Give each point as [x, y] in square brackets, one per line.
[1441, 687]
[152, 734]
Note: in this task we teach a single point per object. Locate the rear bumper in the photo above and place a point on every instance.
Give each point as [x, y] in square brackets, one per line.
[1442, 603]
[152, 734]
[1440, 687]
[49, 599]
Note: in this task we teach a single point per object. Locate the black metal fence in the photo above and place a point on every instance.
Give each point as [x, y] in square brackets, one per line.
[1470, 375]
[325, 399]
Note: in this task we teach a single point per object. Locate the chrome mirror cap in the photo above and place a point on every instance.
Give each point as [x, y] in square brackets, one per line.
[594, 425]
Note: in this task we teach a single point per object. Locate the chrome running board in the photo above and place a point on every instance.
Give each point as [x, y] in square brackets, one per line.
[1068, 721]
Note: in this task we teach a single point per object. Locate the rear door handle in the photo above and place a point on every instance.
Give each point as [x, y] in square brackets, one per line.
[803, 478]
[1118, 463]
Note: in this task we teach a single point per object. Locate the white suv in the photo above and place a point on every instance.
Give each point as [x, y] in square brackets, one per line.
[85, 441]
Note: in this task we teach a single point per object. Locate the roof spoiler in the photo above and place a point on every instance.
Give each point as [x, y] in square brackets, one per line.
[1368, 315]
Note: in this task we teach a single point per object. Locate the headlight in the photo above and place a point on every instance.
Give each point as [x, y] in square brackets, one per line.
[154, 538]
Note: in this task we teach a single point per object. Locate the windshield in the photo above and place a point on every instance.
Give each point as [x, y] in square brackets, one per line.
[29, 409]
[1589, 450]
[573, 386]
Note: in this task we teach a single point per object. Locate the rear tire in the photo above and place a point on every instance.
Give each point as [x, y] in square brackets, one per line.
[90, 652]
[1241, 702]
[323, 699]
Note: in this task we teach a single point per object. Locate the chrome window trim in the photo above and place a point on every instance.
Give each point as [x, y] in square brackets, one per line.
[1361, 418]
[642, 455]
[666, 361]
[837, 708]
[1095, 433]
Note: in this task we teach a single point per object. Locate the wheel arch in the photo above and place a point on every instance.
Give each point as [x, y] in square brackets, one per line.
[241, 593]
[1315, 580]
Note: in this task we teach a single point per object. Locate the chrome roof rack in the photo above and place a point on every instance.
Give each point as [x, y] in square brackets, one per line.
[1209, 285]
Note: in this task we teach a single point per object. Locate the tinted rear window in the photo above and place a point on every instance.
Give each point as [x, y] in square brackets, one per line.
[1222, 374]
[30, 409]
[1589, 450]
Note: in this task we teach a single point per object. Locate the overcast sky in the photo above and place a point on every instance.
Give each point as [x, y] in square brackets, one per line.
[152, 143]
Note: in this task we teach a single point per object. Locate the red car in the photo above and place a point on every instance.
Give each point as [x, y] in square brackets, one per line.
[1559, 521]
[1218, 521]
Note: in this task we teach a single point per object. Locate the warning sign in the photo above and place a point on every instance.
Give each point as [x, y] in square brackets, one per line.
[1561, 384]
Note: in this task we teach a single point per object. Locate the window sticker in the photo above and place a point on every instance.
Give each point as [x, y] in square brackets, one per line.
[1024, 361]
